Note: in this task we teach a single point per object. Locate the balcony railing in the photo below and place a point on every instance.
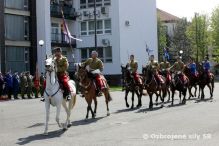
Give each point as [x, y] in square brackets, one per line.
[61, 39]
[68, 10]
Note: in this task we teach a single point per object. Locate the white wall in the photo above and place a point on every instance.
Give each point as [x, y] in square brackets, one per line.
[43, 31]
[142, 16]
[124, 40]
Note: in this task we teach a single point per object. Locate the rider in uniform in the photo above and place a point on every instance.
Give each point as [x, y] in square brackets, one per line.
[62, 67]
[95, 67]
[207, 67]
[192, 67]
[155, 68]
[164, 68]
[133, 64]
[178, 68]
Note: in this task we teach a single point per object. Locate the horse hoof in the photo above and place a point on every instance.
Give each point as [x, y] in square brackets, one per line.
[127, 105]
[69, 125]
[156, 104]
[108, 114]
[132, 107]
[65, 129]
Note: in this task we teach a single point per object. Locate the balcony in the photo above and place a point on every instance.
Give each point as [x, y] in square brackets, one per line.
[68, 10]
[59, 39]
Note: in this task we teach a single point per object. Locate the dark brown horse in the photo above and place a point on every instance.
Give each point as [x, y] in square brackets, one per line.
[180, 85]
[205, 80]
[167, 75]
[152, 86]
[193, 82]
[89, 91]
[130, 86]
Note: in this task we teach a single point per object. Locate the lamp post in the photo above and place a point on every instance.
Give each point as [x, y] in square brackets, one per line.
[95, 24]
[41, 43]
[181, 53]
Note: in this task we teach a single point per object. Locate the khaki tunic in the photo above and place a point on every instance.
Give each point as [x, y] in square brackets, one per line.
[164, 65]
[133, 65]
[94, 64]
[154, 66]
[178, 67]
[62, 65]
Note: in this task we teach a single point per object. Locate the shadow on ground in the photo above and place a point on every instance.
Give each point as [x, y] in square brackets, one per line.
[86, 121]
[29, 139]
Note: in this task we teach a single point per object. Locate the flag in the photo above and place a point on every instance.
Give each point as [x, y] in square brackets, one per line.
[166, 53]
[66, 31]
[148, 50]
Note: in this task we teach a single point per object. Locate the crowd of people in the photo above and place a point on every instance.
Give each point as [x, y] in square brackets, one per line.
[22, 85]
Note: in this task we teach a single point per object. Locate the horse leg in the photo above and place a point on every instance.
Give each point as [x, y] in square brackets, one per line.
[184, 96]
[180, 95]
[168, 91]
[195, 91]
[210, 88]
[95, 104]
[107, 97]
[139, 97]
[67, 113]
[58, 109]
[126, 98]
[190, 92]
[133, 95]
[202, 93]
[47, 105]
[199, 92]
[173, 91]
[151, 101]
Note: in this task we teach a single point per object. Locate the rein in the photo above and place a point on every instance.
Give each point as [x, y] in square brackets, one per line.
[56, 81]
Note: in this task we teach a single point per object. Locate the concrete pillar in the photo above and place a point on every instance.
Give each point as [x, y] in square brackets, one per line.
[43, 31]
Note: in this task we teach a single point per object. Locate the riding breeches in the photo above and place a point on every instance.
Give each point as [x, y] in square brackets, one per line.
[100, 81]
[137, 78]
[63, 79]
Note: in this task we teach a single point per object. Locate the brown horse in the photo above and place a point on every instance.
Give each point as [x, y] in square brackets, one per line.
[193, 81]
[204, 80]
[152, 86]
[130, 86]
[89, 91]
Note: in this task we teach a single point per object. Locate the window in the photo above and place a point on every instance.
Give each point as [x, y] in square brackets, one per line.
[17, 59]
[103, 27]
[83, 4]
[83, 28]
[17, 4]
[99, 27]
[107, 2]
[55, 33]
[105, 54]
[16, 27]
[108, 54]
[91, 27]
[90, 3]
[107, 24]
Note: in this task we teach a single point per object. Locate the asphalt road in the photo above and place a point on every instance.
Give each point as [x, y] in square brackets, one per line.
[195, 124]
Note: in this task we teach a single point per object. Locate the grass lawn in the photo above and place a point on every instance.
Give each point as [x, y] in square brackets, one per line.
[115, 88]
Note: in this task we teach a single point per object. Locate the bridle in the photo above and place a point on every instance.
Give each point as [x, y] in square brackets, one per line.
[56, 80]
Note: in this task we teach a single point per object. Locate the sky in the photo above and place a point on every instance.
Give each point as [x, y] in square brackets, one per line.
[187, 8]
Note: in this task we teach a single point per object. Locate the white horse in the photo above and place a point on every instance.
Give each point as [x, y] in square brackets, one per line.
[54, 95]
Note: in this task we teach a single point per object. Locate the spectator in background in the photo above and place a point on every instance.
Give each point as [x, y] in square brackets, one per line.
[16, 84]
[36, 81]
[1, 85]
[8, 84]
[29, 85]
[23, 84]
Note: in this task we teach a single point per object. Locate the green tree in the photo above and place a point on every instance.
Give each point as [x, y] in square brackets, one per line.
[162, 37]
[215, 33]
[198, 34]
[180, 39]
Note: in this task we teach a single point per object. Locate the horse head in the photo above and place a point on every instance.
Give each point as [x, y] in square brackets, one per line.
[50, 64]
[126, 73]
[82, 72]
